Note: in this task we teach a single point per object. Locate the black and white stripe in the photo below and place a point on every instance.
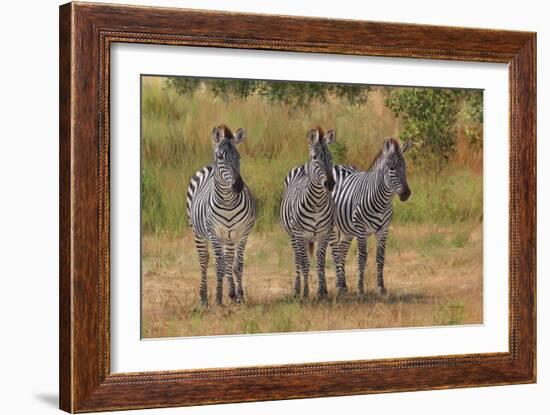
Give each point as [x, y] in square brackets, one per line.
[363, 202]
[221, 211]
[307, 209]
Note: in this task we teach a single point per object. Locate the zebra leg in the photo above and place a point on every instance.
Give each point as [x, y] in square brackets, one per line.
[381, 237]
[304, 255]
[334, 247]
[220, 269]
[238, 266]
[229, 255]
[339, 254]
[298, 266]
[202, 249]
[362, 248]
[322, 291]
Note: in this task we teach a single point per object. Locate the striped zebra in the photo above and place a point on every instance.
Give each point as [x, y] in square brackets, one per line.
[307, 209]
[221, 210]
[363, 202]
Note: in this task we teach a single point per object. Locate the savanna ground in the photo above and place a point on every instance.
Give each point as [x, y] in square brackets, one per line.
[434, 254]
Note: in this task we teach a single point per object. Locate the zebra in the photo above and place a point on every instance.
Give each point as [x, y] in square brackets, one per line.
[307, 209]
[221, 211]
[363, 202]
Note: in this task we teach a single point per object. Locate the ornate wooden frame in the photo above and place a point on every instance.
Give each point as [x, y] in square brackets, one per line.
[86, 33]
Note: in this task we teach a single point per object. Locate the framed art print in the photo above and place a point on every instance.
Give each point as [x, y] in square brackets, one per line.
[260, 207]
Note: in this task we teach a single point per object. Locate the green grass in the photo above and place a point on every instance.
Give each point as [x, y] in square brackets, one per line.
[450, 313]
[431, 241]
[460, 239]
[454, 196]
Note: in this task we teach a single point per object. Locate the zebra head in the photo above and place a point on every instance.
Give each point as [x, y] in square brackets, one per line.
[396, 179]
[227, 161]
[319, 167]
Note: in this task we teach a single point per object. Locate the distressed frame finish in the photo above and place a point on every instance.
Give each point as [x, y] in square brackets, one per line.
[86, 33]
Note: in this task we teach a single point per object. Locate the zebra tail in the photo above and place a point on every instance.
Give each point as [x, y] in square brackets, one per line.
[311, 247]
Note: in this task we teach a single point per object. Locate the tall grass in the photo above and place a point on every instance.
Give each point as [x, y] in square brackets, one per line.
[456, 196]
[176, 142]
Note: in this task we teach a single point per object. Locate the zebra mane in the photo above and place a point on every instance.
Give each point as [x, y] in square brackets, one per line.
[227, 133]
[379, 158]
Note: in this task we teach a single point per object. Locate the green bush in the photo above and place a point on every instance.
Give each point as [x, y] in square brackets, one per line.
[472, 112]
[430, 120]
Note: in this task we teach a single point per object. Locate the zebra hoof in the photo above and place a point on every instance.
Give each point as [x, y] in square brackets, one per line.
[219, 301]
[240, 299]
[382, 292]
[204, 302]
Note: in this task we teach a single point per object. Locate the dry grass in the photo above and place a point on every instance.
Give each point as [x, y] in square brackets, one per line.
[433, 276]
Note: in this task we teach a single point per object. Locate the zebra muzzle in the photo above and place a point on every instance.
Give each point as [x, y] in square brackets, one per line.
[405, 194]
[329, 183]
[238, 184]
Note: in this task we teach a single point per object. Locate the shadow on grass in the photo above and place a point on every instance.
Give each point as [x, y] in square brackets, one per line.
[397, 297]
[369, 297]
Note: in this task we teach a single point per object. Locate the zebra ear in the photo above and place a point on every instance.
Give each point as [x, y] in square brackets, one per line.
[387, 145]
[239, 136]
[217, 135]
[312, 136]
[330, 137]
[406, 147]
